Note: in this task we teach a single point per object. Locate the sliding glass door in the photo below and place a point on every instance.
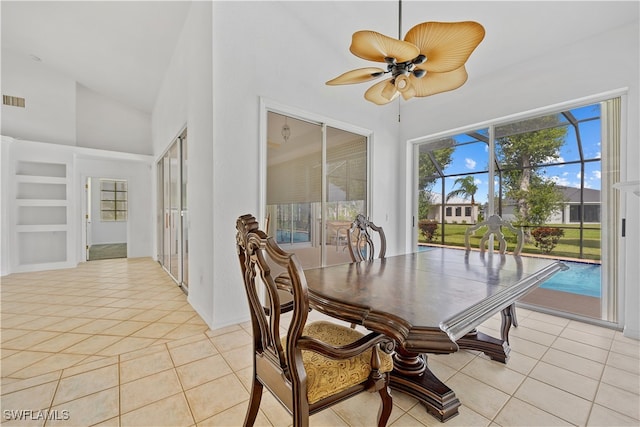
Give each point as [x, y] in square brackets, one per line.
[172, 211]
[316, 183]
[549, 174]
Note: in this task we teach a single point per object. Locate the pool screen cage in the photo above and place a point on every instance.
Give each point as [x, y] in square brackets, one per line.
[528, 150]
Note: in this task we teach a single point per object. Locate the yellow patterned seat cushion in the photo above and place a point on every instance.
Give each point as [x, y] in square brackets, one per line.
[326, 377]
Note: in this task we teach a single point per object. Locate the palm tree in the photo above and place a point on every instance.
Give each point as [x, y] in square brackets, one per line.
[467, 186]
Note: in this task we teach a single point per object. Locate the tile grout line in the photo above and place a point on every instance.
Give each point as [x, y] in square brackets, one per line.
[53, 396]
[184, 392]
[512, 396]
[119, 359]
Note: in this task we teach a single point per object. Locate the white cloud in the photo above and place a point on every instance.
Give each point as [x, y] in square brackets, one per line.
[560, 181]
[598, 153]
[477, 181]
[470, 163]
[597, 174]
[554, 159]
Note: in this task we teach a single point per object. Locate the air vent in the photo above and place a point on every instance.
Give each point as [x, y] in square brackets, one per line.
[13, 101]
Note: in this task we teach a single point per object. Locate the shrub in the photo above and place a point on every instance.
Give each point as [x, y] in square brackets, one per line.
[429, 228]
[546, 238]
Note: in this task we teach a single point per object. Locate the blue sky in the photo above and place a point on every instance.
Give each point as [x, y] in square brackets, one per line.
[473, 157]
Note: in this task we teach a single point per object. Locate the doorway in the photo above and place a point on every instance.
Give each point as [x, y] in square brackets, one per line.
[106, 218]
[173, 237]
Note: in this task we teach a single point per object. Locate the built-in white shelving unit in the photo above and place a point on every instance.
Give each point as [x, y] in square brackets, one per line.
[41, 203]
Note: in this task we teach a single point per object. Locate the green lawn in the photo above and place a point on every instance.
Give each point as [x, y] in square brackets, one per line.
[568, 247]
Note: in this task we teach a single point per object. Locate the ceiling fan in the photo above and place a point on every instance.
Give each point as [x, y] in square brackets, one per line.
[429, 60]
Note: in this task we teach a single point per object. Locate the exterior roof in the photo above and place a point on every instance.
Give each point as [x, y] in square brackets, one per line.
[572, 195]
[436, 199]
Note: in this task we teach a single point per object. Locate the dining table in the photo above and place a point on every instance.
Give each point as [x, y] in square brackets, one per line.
[430, 302]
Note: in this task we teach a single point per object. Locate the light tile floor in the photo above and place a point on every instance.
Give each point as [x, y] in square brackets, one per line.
[115, 343]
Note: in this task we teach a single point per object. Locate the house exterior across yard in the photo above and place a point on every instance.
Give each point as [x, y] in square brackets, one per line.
[460, 211]
[570, 212]
[456, 211]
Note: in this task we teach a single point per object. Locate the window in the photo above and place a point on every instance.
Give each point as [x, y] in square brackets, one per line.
[448, 210]
[467, 211]
[113, 200]
[458, 211]
[567, 159]
[591, 213]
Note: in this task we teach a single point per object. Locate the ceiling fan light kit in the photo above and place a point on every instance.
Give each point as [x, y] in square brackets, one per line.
[428, 61]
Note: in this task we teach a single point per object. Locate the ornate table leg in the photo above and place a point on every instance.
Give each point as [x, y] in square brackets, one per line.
[508, 318]
[411, 375]
[496, 349]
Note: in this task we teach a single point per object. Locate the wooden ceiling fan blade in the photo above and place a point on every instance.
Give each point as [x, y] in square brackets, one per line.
[357, 76]
[408, 93]
[381, 93]
[447, 45]
[374, 46]
[434, 83]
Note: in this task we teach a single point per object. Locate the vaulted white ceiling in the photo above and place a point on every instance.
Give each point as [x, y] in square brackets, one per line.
[122, 48]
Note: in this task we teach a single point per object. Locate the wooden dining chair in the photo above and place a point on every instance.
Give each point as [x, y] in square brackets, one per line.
[362, 244]
[493, 226]
[316, 364]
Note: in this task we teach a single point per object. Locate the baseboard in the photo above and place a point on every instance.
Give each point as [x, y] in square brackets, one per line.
[631, 333]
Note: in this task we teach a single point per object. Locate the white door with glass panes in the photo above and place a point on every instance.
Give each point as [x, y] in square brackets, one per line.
[172, 211]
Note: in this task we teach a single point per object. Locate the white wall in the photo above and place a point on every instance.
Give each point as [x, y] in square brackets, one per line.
[5, 203]
[185, 100]
[50, 101]
[566, 74]
[106, 124]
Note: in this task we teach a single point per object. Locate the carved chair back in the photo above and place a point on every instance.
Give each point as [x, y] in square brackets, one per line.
[289, 366]
[362, 241]
[494, 226]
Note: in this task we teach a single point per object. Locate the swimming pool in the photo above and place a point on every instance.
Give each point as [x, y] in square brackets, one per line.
[284, 236]
[580, 278]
